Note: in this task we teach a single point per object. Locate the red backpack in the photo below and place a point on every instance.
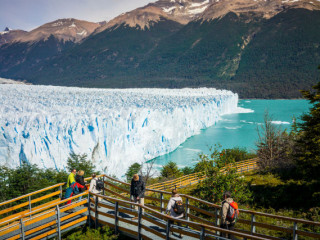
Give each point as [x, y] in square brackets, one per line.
[233, 212]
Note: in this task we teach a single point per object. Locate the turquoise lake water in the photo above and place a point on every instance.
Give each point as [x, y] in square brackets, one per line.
[236, 129]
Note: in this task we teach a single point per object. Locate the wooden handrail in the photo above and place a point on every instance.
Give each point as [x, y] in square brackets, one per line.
[241, 210]
[189, 223]
[32, 193]
[241, 164]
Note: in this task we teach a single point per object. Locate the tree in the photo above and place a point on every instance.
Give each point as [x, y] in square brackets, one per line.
[217, 182]
[307, 155]
[187, 170]
[170, 170]
[80, 162]
[273, 146]
[133, 169]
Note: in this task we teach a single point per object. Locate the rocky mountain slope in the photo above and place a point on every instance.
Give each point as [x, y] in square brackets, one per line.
[257, 48]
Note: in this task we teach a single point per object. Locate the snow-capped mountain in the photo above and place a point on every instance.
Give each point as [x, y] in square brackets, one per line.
[257, 48]
[8, 35]
[69, 29]
[184, 11]
[115, 128]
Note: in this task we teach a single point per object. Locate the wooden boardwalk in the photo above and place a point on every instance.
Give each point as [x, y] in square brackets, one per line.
[27, 217]
[194, 178]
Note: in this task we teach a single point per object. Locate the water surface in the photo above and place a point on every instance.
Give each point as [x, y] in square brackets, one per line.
[236, 130]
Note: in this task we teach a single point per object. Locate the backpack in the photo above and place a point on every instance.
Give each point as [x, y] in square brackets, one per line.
[178, 207]
[99, 184]
[233, 212]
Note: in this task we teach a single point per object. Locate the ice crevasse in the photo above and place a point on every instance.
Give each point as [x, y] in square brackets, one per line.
[115, 127]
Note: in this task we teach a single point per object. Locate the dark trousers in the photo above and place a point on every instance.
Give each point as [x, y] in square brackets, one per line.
[229, 227]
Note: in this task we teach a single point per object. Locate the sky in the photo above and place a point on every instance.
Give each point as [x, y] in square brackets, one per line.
[30, 14]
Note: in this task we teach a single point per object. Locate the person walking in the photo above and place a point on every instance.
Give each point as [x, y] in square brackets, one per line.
[82, 183]
[93, 187]
[137, 190]
[175, 207]
[227, 221]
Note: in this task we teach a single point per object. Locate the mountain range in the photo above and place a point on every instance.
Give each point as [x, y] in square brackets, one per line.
[257, 48]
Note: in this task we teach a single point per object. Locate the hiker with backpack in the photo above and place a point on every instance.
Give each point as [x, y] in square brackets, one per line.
[229, 214]
[175, 207]
[96, 185]
[137, 190]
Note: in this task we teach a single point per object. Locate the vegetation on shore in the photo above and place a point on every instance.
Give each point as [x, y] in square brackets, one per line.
[287, 182]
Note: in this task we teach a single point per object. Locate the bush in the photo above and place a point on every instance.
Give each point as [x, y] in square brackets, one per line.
[104, 233]
[217, 182]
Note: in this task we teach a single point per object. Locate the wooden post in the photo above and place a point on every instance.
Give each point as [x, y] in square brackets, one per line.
[116, 217]
[29, 198]
[187, 210]
[89, 210]
[96, 211]
[22, 229]
[58, 222]
[103, 185]
[217, 217]
[60, 195]
[202, 233]
[139, 222]
[253, 227]
[295, 228]
[161, 203]
[168, 230]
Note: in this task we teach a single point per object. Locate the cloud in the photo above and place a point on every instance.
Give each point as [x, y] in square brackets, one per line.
[27, 15]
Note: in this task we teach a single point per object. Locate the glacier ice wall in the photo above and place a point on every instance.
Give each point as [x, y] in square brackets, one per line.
[114, 127]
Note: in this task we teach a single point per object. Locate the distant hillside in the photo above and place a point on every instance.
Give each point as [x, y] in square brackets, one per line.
[259, 49]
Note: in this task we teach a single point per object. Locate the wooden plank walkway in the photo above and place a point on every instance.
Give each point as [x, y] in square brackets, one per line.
[29, 220]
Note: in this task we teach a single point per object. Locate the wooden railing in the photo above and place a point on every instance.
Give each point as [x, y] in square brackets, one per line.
[197, 210]
[142, 229]
[194, 178]
[29, 203]
[201, 216]
[47, 216]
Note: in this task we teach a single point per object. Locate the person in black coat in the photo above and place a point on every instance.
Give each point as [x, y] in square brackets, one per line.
[81, 181]
[137, 190]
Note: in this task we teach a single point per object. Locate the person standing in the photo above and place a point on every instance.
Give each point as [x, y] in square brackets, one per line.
[175, 207]
[82, 183]
[137, 191]
[71, 177]
[227, 222]
[93, 187]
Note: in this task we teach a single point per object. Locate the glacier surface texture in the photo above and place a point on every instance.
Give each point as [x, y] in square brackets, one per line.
[115, 127]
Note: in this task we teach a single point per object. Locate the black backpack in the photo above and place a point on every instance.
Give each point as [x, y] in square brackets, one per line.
[99, 184]
[178, 207]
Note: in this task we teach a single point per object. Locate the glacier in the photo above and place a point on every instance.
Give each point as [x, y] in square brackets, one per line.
[115, 127]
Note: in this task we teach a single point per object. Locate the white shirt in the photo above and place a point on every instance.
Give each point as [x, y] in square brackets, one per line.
[93, 186]
[171, 205]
